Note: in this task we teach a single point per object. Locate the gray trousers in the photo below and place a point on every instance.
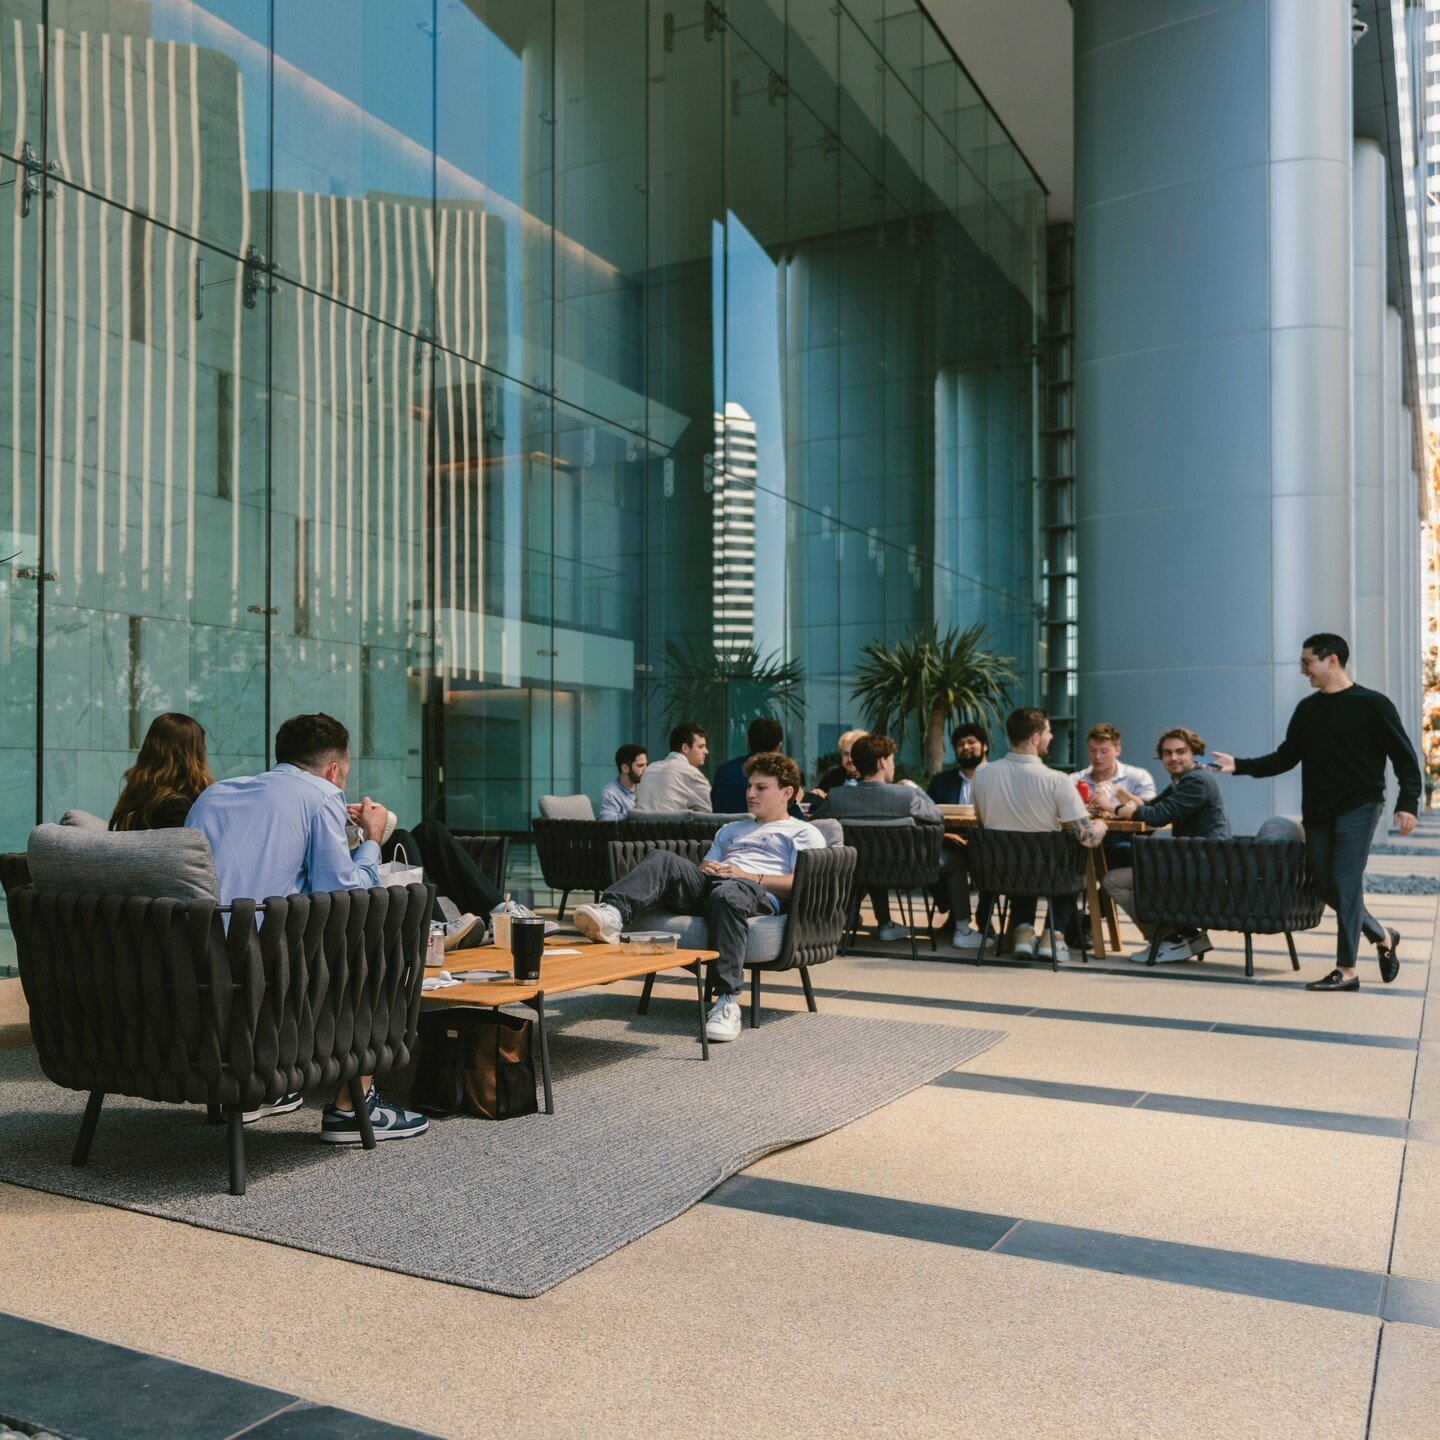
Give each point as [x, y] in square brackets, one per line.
[1338, 850]
[1119, 885]
[664, 880]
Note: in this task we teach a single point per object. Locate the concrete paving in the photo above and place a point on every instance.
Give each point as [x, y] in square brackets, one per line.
[730, 1322]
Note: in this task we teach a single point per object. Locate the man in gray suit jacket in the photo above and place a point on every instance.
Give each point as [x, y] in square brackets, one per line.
[878, 797]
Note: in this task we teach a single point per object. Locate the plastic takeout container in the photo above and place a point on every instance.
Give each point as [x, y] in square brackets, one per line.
[648, 942]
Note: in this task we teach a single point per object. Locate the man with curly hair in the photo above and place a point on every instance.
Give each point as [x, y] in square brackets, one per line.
[749, 870]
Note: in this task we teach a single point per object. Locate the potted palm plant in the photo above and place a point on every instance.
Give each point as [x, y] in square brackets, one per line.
[925, 680]
[725, 689]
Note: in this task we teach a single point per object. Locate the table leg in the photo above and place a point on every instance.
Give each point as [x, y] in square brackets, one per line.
[539, 1004]
[1112, 917]
[700, 1002]
[1092, 903]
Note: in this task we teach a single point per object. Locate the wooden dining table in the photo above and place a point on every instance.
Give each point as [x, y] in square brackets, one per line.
[1103, 914]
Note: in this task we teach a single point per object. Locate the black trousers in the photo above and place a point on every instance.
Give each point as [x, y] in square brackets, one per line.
[1062, 911]
[447, 866]
[1338, 850]
[664, 880]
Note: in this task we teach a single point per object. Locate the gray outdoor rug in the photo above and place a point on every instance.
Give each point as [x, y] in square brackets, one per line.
[642, 1130]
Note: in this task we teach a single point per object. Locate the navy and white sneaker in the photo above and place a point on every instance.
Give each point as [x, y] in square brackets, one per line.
[283, 1106]
[389, 1121]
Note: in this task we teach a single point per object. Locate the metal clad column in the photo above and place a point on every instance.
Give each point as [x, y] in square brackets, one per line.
[1214, 366]
[1368, 643]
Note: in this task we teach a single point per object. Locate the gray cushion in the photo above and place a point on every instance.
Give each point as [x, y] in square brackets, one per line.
[709, 817]
[832, 830]
[566, 807]
[1280, 827]
[84, 820]
[168, 863]
[767, 933]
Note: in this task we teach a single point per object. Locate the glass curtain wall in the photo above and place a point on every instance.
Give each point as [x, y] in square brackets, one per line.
[509, 378]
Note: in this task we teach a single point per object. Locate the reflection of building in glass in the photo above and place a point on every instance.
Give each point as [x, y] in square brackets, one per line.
[734, 550]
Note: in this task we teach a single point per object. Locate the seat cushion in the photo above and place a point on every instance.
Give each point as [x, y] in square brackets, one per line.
[767, 933]
[1280, 827]
[832, 830]
[83, 820]
[173, 864]
[566, 807]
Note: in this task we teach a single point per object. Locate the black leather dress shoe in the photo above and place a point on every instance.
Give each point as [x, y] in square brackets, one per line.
[1335, 980]
[1389, 956]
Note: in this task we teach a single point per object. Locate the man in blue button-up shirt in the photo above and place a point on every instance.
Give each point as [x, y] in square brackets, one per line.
[283, 833]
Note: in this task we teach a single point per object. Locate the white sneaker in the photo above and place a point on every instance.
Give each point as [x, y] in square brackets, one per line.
[457, 930]
[602, 923]
[1172, 950]
[962, 929]
[892, 932]
[1024, 945]
[1062, 950]
[723, 1021]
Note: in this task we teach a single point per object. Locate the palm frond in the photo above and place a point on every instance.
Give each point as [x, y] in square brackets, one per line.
[724, 690]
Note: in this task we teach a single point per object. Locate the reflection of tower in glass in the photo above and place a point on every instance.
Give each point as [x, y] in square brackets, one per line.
[734, 548]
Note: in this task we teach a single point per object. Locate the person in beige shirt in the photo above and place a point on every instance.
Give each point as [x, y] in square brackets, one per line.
[1020, 792]
[677, 782]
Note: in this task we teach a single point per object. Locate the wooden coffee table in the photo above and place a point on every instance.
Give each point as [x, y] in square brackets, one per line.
[560, 974]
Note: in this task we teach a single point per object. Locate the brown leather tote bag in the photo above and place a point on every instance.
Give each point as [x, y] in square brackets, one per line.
[474, 1062]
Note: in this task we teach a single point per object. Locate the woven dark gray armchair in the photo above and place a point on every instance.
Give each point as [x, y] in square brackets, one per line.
[1018, 862]
[491, 853]
[156, 998]
[902, 857]
[573, 856]
[669, 827]
[812, 925]
[1258, 887]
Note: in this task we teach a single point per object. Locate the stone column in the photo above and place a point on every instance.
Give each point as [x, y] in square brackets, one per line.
[1214, 366]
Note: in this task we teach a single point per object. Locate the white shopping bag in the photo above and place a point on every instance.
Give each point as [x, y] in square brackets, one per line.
[400, 871]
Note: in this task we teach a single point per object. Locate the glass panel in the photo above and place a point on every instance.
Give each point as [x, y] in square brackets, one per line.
[685, 305]
[21, 68]
[600, 190]
[155, 416]
[21, 560]
[862, 96]
[495, 137]
[489, 554]
[354, 157]
[598, 495]
[349, 461]
[165, 109]
[812, 64]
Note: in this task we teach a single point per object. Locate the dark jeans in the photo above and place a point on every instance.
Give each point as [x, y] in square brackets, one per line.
[953, 891]
[1062, 911]
[447, 865]
[1338, 850]
[664, 880]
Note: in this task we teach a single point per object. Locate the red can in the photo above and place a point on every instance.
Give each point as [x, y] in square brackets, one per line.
[1083, 786]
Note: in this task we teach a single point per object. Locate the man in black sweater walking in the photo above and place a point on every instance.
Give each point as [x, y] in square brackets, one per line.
[1341, 737]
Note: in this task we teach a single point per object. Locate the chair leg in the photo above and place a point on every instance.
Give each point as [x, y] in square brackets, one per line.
[809, 989]
[1249, 955]
[754, 999]
[564, 896]
[645, 994]
[699, 969]
[235, 1125]
[930, 920]
[909, 900]
[987, 908]
[87, 1127]
[1294, 958]
[358, 1098]
[1155, 940]
[1050, 931]
[214, 1115]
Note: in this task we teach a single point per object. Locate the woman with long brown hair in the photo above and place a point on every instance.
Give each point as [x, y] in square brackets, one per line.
[168, 773]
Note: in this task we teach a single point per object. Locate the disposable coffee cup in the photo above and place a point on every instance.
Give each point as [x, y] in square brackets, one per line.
[527, 944]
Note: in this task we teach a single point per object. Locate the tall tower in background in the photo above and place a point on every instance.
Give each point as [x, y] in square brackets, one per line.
[733, 588]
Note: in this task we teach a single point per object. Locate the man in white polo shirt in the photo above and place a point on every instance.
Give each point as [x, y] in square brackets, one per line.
[1019, 792]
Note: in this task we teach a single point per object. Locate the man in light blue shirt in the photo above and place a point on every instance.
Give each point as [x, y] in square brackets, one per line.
[617, 799]
[283, 833]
